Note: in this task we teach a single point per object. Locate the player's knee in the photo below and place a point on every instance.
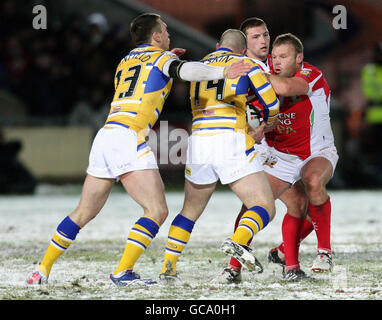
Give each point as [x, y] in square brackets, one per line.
[158, 213]
[312, 182]
[315, 188]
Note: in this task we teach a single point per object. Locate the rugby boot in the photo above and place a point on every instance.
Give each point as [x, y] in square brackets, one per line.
[128, 277]
[323, 262]
[37, 278]
[243, 254]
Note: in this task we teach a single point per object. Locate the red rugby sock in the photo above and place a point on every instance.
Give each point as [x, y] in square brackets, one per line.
[321, 221]
[291, 230]
[307, 228]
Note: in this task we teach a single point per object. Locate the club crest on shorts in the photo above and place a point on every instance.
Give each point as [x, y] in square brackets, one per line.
[270, 161]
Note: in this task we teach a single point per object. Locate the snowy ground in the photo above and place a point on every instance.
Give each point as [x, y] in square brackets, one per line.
[28, 222]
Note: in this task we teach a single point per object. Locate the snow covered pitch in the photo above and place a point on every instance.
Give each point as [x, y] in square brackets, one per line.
[28, 223]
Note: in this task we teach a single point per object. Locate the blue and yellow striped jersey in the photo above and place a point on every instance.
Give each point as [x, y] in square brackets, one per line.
[141, 89]
[221, 104]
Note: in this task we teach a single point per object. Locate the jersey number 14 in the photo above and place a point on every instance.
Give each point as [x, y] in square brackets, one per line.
[218, 85]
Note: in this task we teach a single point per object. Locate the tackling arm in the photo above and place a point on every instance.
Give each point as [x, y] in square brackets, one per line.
[197, 71]
[294, 86]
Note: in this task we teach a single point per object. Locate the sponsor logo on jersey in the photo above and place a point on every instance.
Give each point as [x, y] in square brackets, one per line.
[306, 72]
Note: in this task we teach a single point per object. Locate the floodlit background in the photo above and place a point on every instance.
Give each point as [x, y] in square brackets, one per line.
[56, 85]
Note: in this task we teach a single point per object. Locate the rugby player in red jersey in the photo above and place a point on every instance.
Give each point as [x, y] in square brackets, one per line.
[302, 155]
[303, 146]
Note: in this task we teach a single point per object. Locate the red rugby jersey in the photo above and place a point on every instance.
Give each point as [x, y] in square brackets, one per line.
[304, 121]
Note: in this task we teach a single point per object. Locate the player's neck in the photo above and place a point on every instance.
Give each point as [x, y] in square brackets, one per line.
[298, 67]
[257, 58]
[158, 45]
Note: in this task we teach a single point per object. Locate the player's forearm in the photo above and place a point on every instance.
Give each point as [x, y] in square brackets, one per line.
[285, 86]
[192, 71]
[197, 71]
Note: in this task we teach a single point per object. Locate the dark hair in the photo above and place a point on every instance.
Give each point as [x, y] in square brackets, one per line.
[289, 38]
[143, 26]
[251, 23]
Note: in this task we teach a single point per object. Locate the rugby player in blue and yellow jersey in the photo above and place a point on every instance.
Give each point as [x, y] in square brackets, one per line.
[221, 149]
[142, 82]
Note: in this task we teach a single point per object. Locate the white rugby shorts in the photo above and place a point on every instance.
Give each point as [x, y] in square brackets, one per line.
[221, 157]
[115, 151]
[287, 167]
[263, 150]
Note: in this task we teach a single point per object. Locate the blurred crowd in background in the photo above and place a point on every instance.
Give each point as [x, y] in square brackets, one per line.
[64, 75]
[66, 72]
[62, 70]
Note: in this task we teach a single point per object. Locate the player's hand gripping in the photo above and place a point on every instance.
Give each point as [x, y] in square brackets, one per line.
[258, 133]
[237, 69]
[179, 51]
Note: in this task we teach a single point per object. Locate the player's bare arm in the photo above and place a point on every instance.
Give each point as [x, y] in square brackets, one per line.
[287, 61]
[285, 86]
